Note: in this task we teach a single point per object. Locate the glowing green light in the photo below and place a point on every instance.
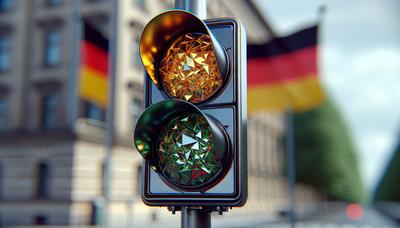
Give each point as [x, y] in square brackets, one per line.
[186, 151]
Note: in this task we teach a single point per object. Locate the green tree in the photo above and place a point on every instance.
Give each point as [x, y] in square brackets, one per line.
[325, 155]
[388, 188]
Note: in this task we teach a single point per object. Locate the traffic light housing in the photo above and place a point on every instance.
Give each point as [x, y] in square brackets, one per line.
[193, 132]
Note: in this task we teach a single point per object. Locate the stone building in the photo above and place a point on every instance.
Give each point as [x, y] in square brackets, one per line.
[51, 163]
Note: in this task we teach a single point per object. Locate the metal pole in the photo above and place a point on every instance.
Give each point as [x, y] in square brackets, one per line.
[75, 57]
[291, 168]
[110, 111]
[194, 217]
[197, 7]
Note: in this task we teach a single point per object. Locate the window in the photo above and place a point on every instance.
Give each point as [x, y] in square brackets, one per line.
[49, 111]
[5, 45]
[52, 54]
[135, 60]
[53, 2]
[103, 177]
[3, 114]
[5, 5]
[1, 181]
[135, 109]
[94, 112]
[40, 220]
[43, 176]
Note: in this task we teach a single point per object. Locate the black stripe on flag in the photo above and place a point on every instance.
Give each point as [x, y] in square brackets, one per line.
[94, 36]
[283, 45]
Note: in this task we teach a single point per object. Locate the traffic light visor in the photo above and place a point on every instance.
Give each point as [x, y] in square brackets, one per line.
[182, 56]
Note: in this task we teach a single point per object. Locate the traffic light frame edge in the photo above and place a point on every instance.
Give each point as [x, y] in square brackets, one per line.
[230, 110]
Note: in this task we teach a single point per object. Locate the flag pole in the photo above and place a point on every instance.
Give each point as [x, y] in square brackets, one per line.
[75, 59]
[291, 166]
[110, 113]
[289, 142]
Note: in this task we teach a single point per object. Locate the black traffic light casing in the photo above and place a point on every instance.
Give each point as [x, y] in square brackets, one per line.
[227, 108]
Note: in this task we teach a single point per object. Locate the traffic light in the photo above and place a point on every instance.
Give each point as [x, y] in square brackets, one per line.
[193, 132]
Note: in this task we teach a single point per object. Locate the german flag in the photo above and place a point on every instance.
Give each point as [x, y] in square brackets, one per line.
[93, 83]
[282, 73]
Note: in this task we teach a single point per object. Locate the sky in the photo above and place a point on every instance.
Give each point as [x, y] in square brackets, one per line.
[359, 62]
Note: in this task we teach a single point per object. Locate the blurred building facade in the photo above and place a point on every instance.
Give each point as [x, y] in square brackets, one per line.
[51, 165]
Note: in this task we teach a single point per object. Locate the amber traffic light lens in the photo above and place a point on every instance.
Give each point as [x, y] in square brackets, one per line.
[189, 69]
[187, 152]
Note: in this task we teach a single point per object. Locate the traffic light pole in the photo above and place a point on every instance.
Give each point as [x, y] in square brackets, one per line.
[194, 217]
[197, 7]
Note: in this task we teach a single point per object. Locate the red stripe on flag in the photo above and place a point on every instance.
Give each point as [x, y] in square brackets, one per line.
[280, 68]
[94, 57]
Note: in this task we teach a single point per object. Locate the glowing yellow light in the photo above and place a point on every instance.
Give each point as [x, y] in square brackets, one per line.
[189, 70]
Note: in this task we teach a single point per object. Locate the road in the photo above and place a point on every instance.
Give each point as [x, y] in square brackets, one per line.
[371, 219]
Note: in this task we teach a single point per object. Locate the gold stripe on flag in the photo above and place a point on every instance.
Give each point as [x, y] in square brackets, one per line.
[93, 86]
[300, 95]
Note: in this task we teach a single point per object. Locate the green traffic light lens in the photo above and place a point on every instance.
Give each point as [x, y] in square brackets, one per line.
[186, 151]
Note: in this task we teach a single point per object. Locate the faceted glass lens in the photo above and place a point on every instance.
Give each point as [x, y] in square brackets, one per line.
[189, 70]
[187, 153]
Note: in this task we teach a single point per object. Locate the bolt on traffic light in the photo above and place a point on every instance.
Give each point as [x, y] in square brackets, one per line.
[193, 132]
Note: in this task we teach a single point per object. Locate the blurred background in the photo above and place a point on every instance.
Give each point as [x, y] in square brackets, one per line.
[64, 145]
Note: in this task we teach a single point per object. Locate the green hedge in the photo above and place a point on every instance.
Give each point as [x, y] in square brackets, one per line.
[325, 155]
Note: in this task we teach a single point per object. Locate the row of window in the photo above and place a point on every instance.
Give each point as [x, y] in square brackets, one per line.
[43, 175]
[52, 50]
[6, 5]
[52, 43]
[50, 106]
[94, 112]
